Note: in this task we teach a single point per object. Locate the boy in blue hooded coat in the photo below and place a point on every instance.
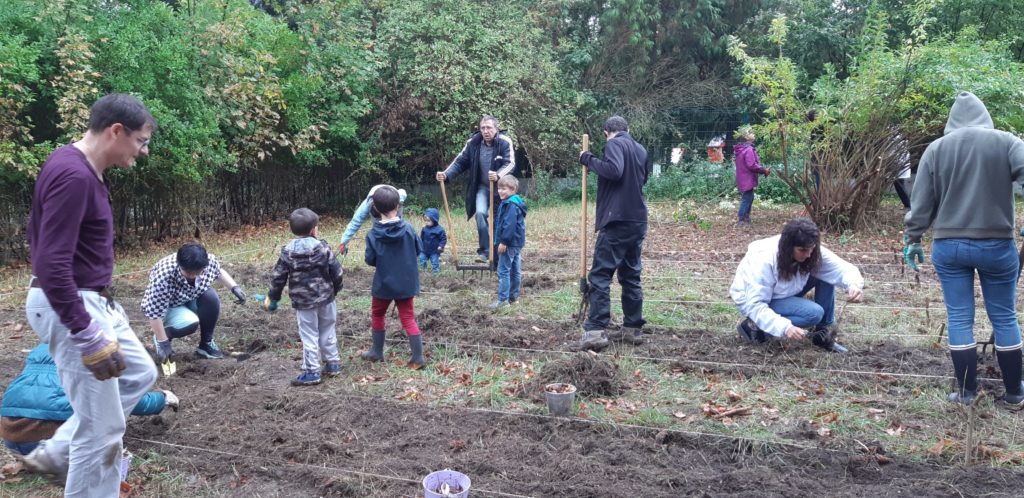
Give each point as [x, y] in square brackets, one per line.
[433, 238]
[510, 234]
[35, 404]
[392, 247]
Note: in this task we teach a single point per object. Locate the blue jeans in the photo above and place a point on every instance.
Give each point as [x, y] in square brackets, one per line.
[435, 261]
[509, 276]
[804, 312]
[997, 265]
[483, 204]
[746, 203]
[21, 448]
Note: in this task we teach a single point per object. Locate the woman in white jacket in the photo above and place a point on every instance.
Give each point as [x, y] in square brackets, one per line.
[777, 272]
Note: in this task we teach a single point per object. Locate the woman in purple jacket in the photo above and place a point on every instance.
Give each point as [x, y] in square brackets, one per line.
[748, 167]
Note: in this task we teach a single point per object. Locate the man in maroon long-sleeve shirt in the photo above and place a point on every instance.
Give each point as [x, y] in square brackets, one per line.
[103, 367]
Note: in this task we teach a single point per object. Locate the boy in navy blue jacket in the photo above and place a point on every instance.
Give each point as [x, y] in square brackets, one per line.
[510, 234]
[392, 247]
[433, 238]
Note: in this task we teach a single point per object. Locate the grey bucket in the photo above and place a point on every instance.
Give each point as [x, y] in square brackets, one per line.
[560, 403]
[455, 480]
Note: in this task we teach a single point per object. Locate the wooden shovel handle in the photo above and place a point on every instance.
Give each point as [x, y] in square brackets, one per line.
[583, 215]
[490, 216]
[451, 228]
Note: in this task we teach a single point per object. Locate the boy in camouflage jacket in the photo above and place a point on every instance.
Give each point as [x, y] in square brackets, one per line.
[314, 278]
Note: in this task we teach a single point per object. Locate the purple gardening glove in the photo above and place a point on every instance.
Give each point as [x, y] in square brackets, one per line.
[100, 354]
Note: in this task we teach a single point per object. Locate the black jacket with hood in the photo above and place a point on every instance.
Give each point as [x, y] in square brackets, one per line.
[393, 248]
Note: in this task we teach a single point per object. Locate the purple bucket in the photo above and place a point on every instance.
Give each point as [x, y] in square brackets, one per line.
[434, 482]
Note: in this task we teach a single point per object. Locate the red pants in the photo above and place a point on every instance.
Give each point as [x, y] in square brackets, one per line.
[405, 314]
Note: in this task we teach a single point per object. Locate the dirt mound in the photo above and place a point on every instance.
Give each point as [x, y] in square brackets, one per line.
[592, 375]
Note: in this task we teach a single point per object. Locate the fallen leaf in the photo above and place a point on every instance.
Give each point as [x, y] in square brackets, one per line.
[940, 447]
[733, 396]
[679, 415]
[895, 431]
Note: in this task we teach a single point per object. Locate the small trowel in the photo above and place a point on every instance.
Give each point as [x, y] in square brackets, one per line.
[168, 367]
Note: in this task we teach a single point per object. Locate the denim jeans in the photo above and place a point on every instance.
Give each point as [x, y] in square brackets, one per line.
[746, 203]
[804, 312]
[617, 250]
[509, 275]
[201, 313]
[483, 204]
[997, 265]
[435, 261]
[21, 448]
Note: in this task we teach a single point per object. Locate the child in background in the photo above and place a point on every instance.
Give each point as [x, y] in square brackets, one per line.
[433, 238]
[748, 167]
[392, 247]
[314, 278]
[510, 233]
[35, 404]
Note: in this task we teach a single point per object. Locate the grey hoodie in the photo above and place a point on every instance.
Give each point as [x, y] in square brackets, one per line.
[964, 185]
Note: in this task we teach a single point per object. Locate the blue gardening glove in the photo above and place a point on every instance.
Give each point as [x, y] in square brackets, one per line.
[912, 251]
[100, 354]
[266, 303]
[164, 351]
[239, 295]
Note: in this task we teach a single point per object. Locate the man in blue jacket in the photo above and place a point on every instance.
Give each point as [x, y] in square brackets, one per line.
[488, 155]
[35, 405]
[621, 225]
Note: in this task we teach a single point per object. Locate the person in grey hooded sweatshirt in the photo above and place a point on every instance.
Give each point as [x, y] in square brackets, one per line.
[964, 191]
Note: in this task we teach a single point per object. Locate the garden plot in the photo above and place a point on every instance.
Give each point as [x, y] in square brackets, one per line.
[692, 411]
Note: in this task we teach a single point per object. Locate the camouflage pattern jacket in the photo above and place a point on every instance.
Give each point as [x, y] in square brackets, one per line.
[311, 271]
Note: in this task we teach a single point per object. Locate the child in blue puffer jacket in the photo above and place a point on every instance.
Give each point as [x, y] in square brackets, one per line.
[433, 238]
[510, 236]
[35, 404]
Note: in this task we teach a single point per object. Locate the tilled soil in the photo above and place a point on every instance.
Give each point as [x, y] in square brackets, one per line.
[243, 431]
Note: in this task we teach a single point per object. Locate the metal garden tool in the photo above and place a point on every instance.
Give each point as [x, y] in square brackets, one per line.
[584, 284]
[168, 367]
[451, 235]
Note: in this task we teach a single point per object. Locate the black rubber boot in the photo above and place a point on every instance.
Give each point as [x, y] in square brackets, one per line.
[376, 352]
[965, 369]
[1010, 364]
[417, 361]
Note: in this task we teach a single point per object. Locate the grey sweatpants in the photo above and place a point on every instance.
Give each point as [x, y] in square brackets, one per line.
[316, 329]
[89, 443]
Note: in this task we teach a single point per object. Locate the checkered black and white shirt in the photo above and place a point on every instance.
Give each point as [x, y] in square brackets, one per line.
[168, 287]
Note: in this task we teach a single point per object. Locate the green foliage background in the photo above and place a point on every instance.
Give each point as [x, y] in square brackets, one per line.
[265, 104]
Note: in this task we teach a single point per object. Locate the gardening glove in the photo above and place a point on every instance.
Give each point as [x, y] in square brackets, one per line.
[912, 250]
[342, 250]
[265, 302]
[164, 350]
[239, 295]
[100, 354]
[767, 172]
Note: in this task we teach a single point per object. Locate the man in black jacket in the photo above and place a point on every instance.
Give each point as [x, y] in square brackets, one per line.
[621, 225]
[488, 155]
